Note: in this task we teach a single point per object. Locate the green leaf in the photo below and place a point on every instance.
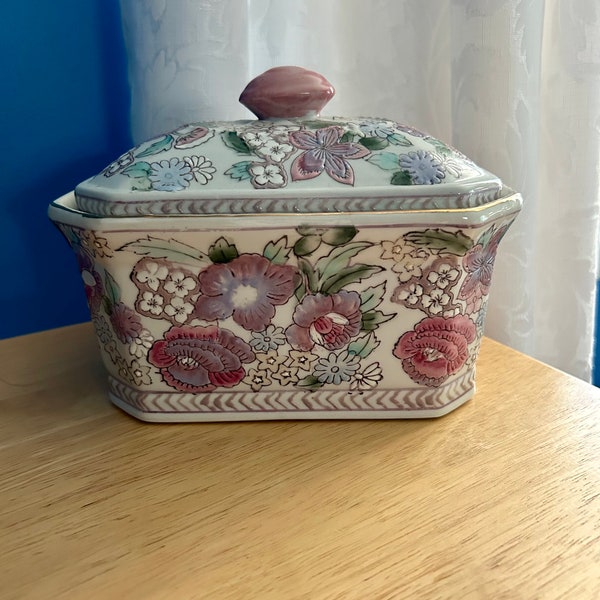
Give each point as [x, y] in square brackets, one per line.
[453, 242]
[388, 161]
[364, 345]
[373, 143]
[441, 147]
[339, 258]
[108, 305]
[337, 236]
[308, 230]
[138, 169]
[235, 142]
[318, 124]
[277, 252]
[347, 137]
[486, 236]
[399, 140]
[143, 184]
[309, 276]
[170, 249]
[161, 145]
[240, 170]
[401, 178]
[372, 297]
[373, 318]
[306, 245]
[310, 382]
[112, 289]
[344, 277]
[222, 251]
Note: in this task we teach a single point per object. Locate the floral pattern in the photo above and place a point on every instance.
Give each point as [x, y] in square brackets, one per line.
[303, 312]
[272, 155]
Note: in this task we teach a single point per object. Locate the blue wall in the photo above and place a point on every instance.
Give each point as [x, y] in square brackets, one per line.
[63, 117]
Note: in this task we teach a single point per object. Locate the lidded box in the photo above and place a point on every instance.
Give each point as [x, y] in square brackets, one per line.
[294, 266]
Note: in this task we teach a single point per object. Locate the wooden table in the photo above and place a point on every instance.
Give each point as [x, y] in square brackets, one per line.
[497, 500]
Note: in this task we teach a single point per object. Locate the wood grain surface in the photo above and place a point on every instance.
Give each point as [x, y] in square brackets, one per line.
[497, 500]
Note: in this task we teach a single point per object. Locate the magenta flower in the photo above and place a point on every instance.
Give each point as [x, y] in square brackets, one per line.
[126, 323]
[249, 287]
[200, 359]
[436, 348]
[323, 151]
[479, 264]
[327, 321]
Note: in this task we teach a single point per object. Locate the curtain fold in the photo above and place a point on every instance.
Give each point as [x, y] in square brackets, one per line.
[513, 84]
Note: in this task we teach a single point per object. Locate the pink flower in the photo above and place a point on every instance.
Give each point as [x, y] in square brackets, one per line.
[436, 348]
[126, 323]
[200, 359]
[328, 321]
[324, 151]
[479, 264]
[249, 287]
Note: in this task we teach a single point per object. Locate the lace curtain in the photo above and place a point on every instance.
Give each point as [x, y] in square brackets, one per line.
[513, 84]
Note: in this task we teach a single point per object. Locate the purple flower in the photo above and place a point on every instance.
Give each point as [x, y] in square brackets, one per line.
[325, 152]
[328, 321]
[247, 288]
[126, 323]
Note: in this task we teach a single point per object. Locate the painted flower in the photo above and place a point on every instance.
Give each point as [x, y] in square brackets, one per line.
[286, 375]
[408, 259]
[301, 360]
[410, 130]
[201, 168]
[323, 151]
[443, 273]
[436, 348]
[247, 288]
[179, 310]
[255, 139]
[102, 329]
[327, 321]
[275, 151]
[138, 374]
[170, 175]
[118, 165]
[435, 301]
[257, 380]
[140, 345]
[409, 295]
[269, 339]
[267, 176]
[180, 284]
[188, 138]
[200, 359]
[336, 368]
[270, 361]
[374, 128]
[152, 303]
[126, 323]
[367, 379]
[423, 167]
[479, 264]
[96, 245]
[151, 273]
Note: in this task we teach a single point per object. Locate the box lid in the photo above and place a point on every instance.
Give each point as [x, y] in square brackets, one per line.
[288, 160]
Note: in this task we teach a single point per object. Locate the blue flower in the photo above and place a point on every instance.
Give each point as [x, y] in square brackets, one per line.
[269, 339]
[337, 367]
[374, 128]
[423, 167]
[170, 175]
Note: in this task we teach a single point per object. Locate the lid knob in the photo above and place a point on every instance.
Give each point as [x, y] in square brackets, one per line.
[286, 93]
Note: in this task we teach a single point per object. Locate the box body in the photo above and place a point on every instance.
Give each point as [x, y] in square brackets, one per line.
[372, 314]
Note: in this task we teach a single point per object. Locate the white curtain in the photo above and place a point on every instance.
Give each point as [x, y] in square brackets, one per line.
[514, 84]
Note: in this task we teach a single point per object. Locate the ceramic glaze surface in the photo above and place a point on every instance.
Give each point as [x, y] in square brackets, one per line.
[288, 268]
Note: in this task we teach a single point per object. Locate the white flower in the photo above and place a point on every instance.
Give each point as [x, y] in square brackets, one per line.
[152, 274]
[435, 301]
[275, 151]
[170, 175]
[152, 303]
[179, 310]
[411, 294]
[202, 169]
[423, 167]
[141, 344]
[267, 175]
[179, 284]
[368, 378]
[443, 277]
[336, 368]
[254, 139]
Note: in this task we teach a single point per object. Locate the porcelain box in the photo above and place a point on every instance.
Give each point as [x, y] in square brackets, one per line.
[290, 267]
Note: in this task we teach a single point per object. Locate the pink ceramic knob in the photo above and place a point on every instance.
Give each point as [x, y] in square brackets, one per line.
[287, 92]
